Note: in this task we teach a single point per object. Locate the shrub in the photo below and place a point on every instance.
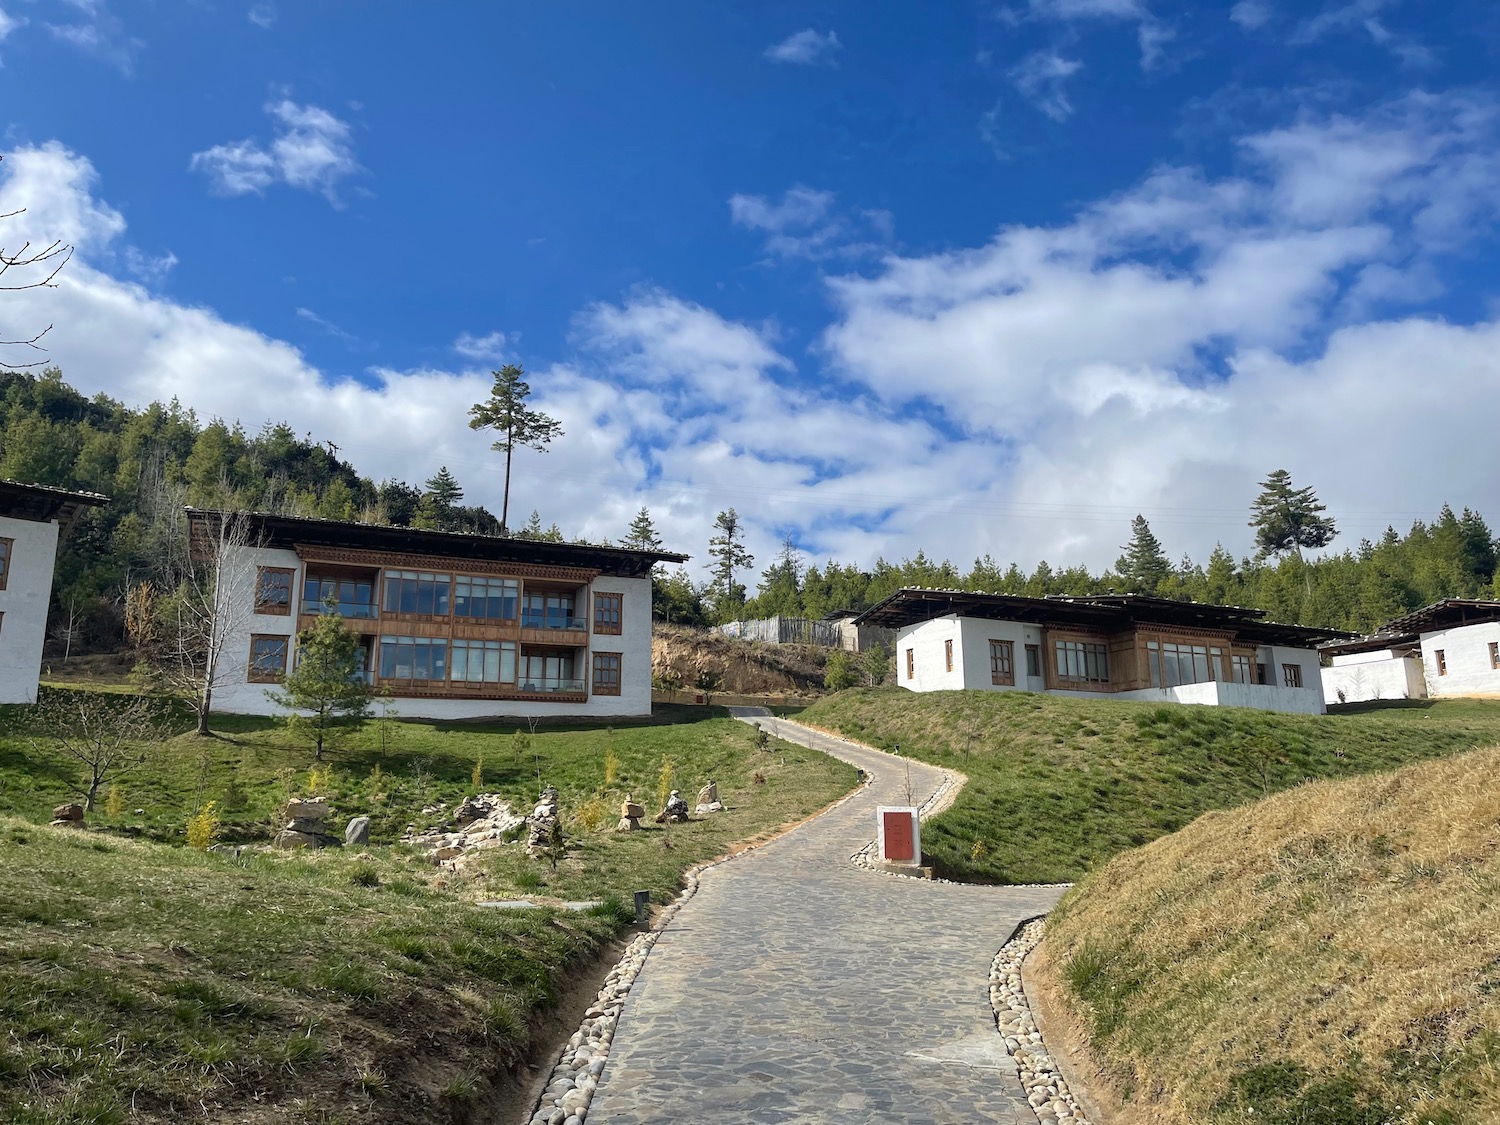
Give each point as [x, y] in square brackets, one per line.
[114, 802]
[203, 827]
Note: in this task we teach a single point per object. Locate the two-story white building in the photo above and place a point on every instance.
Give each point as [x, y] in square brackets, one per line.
[33, 521]
[1122, 646]
[1449, 648]
[454, 625]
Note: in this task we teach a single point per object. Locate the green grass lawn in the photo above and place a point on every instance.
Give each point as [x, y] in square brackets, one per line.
[1058, 784]
[140, 978]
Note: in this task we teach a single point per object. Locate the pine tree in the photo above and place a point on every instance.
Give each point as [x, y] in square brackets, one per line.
[1144, 566]
[325, 683]
[506, 412]
[444, 488]
[1287, 519]
[642, 535]
[727, 550]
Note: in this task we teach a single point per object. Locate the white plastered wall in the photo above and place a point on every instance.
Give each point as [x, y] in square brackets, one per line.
[977, 635]
[232, 691]
[23, 602]
[927, 642]
[1380, 674]
[1466, 658]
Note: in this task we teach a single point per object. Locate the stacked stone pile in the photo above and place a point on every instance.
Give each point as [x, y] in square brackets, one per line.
[630, 815]
[68, 816]
[543, 823]
[304, 826]
[481, 821]
[708, 800]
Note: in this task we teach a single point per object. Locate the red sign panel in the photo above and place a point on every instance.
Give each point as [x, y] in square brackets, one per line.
[898, 842]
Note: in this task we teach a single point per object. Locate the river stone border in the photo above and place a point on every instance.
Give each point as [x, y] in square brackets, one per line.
[1046, 1089]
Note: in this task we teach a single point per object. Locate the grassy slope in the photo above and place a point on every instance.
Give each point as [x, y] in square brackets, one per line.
[128, 963]
[1328, 956]
[1058, 784]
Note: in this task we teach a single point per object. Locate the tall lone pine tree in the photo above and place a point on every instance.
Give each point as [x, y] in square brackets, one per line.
[1143, 566]
[727, 550]
[506, 412]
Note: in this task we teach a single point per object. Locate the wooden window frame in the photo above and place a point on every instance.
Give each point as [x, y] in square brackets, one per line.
[7, 557]
[619, 670]
[1034, 651]
[948, 654]
[1087, 648]
[1494, 655]
[1441, 656]
[253, 674]
[1291, 675]
[606, 627]
[1003, 663]
[275, 609]
[911, 664]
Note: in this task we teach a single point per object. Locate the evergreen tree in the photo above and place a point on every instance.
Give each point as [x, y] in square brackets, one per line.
[728, 554]
[444, 488]
[1288, 519]
[781, 584]
[642, 535]
[1144, 566]
[506, 412]
[325, 683]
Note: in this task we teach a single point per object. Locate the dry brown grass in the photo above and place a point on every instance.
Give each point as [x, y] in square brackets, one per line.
[1329, 955]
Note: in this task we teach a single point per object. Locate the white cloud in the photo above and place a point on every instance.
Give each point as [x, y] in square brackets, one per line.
[1355, 16]
[493, 347]
[9, 23]
[326, 325]
[1152, 34]
[312, 150]
[1159, 352]
[262, 15]
[806, 223]
[805, 48]
[99, 32]
[1251, 14]
[1041, 77]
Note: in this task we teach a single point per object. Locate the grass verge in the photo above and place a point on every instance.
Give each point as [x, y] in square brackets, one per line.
[1325, 957]
[1057, 785]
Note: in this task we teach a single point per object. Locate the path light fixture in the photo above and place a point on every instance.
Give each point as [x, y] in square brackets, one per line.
[642, 900]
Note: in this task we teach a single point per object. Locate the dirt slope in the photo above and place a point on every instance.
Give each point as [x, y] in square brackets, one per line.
[741, 667]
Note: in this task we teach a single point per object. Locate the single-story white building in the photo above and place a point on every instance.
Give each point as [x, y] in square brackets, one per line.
[1449, 648]
[1123, 646]
[33, 521]
[456, 626]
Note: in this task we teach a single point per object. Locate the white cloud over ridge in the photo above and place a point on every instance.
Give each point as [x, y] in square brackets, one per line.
[805, 48]
[1159, 352]
[313, 151]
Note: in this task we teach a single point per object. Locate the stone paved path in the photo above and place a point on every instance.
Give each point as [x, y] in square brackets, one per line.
[796, 987]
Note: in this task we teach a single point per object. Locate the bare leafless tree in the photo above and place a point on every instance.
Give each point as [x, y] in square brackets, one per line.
[183, 625]
[107, 734]
[30, 267]
[67, 629]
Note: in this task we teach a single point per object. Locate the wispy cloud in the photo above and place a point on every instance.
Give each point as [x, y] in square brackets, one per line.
[1152, 34]
[1251, 14]
[312, 151]
[1363, 16]
[490, 348]
[8, 23]
[1041, 77]
[262, 15]
[805, 223]
[99, 32]
[326, 325]
[805, 48]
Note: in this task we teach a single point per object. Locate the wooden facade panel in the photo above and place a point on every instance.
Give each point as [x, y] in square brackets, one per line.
[555, 638]
[364, 626]
[404, 561]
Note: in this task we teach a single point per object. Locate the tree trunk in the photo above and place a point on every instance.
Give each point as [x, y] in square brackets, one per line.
[510, 446]
[204, 704]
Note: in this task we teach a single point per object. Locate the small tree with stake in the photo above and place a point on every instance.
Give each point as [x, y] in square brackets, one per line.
[506, 412]
[324, 694]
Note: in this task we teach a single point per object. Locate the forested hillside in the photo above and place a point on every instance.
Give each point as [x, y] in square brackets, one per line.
[152, 460]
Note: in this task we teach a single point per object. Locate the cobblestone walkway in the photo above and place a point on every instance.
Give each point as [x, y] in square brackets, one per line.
[796, 987]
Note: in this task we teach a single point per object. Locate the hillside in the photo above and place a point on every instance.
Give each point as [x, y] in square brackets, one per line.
[1326, 956]
[1057, 785]
[682, 656]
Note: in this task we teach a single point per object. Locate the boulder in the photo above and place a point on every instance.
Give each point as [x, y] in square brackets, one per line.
[357, 833]
[289, 838]
[68, 824]
[297, 809]
[313, 825]
[68, 812]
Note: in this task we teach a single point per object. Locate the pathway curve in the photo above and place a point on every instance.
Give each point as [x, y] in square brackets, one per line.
[796, 987]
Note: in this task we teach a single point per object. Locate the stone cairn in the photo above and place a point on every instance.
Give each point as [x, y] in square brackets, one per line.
[630, 815]
[543, 824]
[479, 822]
[304, 826]
[708, 800]
[675, 811]
[68, 816]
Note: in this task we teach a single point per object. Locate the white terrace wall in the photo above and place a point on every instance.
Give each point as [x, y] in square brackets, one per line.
[927, 644]
[977, 635]
[23, 602]
[1466, 658]
[1381, 674]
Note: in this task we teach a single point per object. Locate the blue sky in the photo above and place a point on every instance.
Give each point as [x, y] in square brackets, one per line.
[973, 277]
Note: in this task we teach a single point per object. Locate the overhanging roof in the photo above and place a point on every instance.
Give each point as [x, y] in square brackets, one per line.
[289, 532]
[1370, 642]
[44, 503]
[1446, 614]
[1112, 612]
